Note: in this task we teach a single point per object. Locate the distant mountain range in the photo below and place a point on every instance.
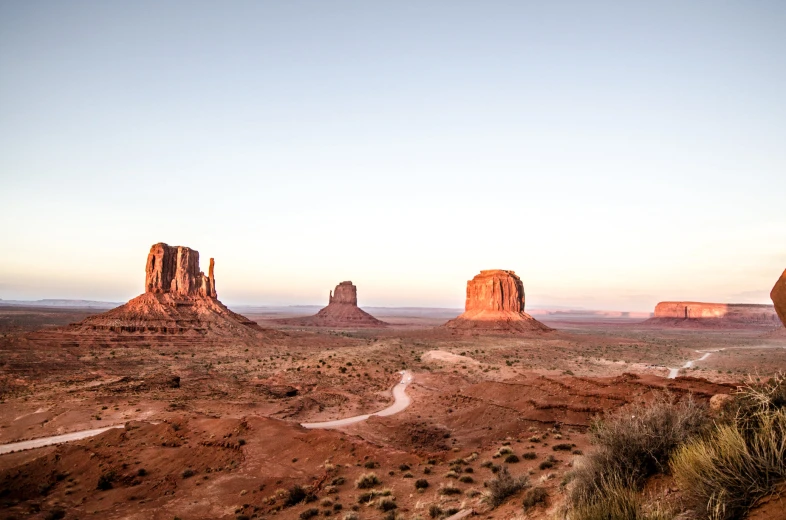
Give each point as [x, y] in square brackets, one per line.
[89, 304]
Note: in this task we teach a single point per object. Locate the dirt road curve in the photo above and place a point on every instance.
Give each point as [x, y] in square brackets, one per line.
[57, 439]
[400, 401]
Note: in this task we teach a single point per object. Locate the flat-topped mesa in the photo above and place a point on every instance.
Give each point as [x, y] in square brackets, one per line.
[495, 300]
[345, 292]
[713, 314]
[495, 290]
[175, 270]
[778, 296]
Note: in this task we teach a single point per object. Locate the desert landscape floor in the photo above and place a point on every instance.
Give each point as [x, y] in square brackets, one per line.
[214, 429]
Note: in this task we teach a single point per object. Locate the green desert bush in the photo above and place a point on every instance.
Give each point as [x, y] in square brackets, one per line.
[725, 472]
[504, 486]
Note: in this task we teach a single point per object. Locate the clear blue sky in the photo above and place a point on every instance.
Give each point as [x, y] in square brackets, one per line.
[614, 154]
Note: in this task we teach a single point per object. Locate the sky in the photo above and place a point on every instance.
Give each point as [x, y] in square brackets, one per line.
[613, 154]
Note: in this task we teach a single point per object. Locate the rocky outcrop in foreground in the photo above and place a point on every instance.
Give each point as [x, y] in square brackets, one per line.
[495, 301]
[735, 315]
[778, 296]
[342, 311]
[179, 299]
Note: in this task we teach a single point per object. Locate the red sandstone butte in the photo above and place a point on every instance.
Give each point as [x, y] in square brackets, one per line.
[342, 311]
[178, 299]
[734, 315]
[495, 301]
[778, 296]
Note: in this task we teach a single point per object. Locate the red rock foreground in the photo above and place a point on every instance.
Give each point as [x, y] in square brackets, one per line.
[495, 301]
[342, 311]
[778, 296]
[714, 314]
[179, 299]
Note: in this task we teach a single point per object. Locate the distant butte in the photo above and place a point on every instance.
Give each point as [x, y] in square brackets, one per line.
[778, 296]
[699, 314]
[342, 311]
[179, 300]
[495, 301]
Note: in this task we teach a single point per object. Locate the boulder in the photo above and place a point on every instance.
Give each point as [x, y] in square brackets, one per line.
[778, 296]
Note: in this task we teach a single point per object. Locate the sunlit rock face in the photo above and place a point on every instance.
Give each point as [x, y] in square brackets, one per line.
[778, 296]
[678, 312]
[175, 270]
[495, 300]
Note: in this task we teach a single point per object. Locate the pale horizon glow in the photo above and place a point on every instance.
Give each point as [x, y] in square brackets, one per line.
[613, 154]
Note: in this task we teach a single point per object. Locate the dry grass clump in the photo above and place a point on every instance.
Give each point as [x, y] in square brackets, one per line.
[724, 473]
[367, 480]
[504, 486]
[618, 502]
[534, 497]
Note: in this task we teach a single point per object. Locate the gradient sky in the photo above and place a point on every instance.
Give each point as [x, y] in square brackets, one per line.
[613, 154]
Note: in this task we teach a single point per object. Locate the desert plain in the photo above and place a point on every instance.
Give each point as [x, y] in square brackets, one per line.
[204, 418]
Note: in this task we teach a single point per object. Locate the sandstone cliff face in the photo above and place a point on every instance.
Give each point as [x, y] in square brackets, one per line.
[495, 290]
[778, 296]
[345, 292]
[714, 314]
[175, 270]
[178, 300]
[495, 301]
[342, 311]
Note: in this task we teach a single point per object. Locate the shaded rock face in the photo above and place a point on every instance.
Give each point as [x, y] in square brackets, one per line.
[714, 314]
[342, 311]
[495, 301]
[175, 270]
[778, 296]
[345, 292]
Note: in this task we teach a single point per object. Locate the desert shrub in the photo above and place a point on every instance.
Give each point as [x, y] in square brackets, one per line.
[530, 455]
[534, 497]
[367, 480]
[297, 494]
[466, 479]
[351, 516]
[371, 464]
[469, 469]
[548, 463]
[105, 481]
[141, 472]
[368, 496]
[505, 450]
[450, 490]
[309, 513]
[724, 473]
[427, 471]
[634, 443]
[337, 481]
[421, 483]
[55, 513]
[451, 474]
[337, 506]
[407, 475]
[387, 504]
[188, 473]
[434, 511]
[504, 486]
[511, 459]
[404, 467]
[326, 502]
[562, 447]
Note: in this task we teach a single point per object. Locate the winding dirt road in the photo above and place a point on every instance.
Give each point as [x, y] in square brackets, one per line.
[400, 401]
